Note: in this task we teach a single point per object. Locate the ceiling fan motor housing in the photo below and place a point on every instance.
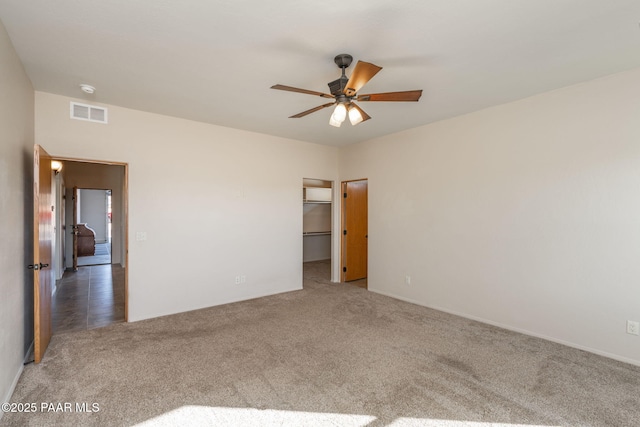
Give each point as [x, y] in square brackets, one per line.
[343, 60]
[337, 86]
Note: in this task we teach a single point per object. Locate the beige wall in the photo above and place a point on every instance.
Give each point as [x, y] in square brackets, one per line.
[526, 215]
[214, 203]
[16, 213]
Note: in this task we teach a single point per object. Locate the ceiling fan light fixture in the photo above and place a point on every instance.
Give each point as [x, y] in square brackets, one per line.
[354, 116]
[339, 115]
[334, 122]
[345, 90]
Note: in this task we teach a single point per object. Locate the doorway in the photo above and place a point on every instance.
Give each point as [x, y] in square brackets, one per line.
[355, 234]
[92, 227]
[317, 212]
[52, 176]
[93, 290]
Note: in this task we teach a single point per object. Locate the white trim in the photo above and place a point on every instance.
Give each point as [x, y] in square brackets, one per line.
[224, 302]
[511, 328]
[7, 398]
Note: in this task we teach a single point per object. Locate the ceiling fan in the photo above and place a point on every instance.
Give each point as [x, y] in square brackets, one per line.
[344, 92]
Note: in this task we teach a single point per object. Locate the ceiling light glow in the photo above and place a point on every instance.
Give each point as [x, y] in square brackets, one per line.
[338, 116]
[354, 116]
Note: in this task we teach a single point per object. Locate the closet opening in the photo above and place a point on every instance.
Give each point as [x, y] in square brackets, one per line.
[317, 212]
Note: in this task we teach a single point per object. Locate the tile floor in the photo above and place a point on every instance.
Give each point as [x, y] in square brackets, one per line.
[102, 256]
[89, 298]
[322, 270]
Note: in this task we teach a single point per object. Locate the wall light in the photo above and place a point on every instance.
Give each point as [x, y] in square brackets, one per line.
[56, 166]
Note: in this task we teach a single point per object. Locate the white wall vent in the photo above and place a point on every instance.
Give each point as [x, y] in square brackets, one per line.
[89, 113]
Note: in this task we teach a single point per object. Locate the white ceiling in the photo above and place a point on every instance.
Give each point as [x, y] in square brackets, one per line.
[214, 61]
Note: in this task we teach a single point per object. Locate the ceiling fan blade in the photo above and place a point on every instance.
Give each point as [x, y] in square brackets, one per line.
[363, 72]
[295, 89]
[313, 110]
[364, 115]
[407, 96]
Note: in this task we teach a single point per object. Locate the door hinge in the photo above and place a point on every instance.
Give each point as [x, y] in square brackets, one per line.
[344, 195]
[344, 269]
[344, 232]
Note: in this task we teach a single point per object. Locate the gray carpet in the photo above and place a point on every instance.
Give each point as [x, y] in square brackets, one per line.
[327, 355]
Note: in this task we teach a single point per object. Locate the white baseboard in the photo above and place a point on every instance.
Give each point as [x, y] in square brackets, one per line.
[7, 398]
[511, 328]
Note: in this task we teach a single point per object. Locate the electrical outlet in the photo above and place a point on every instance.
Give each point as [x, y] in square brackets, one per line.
[237, 280]
[407, 280]
[633, 328]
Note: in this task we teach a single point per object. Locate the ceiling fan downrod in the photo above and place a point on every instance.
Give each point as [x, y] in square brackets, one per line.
[337, 86]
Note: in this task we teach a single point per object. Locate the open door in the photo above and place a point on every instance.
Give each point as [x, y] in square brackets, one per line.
[354, 230]
[43, 218]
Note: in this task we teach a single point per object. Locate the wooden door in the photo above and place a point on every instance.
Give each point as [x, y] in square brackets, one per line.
[74, 228]
[43, 219]
[355, 230]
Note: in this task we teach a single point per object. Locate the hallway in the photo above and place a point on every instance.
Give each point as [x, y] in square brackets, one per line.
[90, 298]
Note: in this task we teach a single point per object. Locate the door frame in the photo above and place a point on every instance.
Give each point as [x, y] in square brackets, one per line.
[343, 185]
[125, 205]
[74, 227]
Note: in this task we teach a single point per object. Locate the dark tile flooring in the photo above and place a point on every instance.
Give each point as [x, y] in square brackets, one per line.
[322, 270]
[89, 298]
[362, 283]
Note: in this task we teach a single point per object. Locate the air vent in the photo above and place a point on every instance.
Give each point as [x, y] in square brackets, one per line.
[89, 113]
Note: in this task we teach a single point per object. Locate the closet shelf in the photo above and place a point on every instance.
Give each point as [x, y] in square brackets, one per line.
[316, 233]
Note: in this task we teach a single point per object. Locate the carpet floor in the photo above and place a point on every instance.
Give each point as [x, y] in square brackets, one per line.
[330, 354]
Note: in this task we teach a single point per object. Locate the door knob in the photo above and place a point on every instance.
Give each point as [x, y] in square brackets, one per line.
[39, 266]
